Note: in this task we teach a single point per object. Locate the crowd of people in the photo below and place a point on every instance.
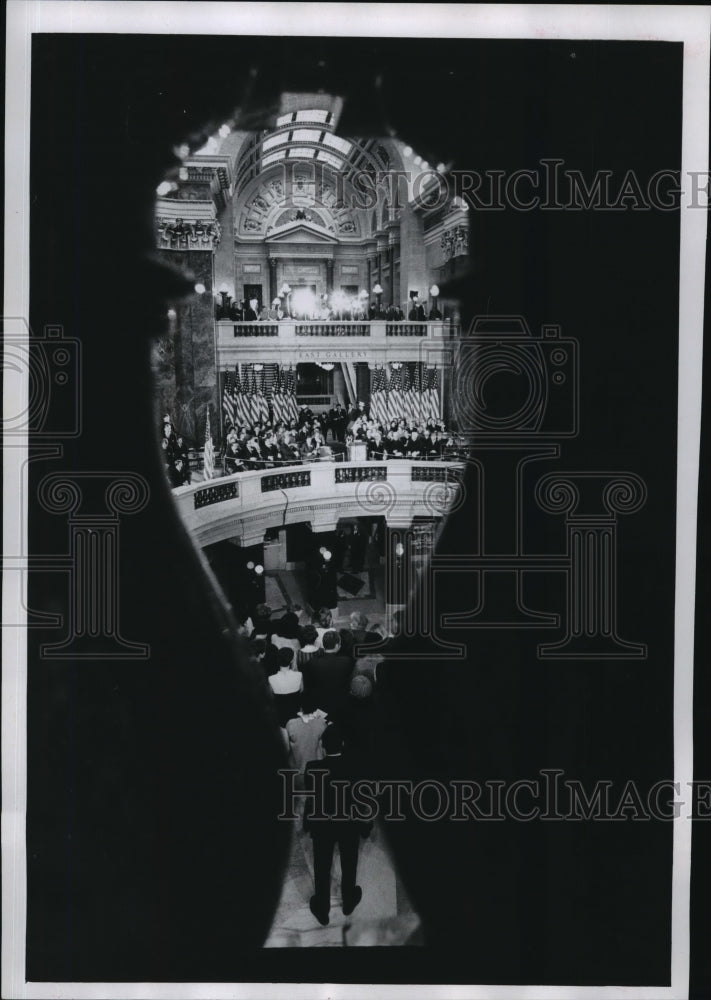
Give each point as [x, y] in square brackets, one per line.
[319, 671]
[315, 436]
[175, 454]
[312, 667]
[323, 684]
[338, 306]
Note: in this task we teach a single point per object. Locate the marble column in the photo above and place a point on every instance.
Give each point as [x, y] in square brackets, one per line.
[273, 290]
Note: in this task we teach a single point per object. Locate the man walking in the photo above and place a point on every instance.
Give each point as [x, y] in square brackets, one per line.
[327, 817]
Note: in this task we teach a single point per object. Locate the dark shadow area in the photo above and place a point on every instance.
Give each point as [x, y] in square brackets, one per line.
[154, 853]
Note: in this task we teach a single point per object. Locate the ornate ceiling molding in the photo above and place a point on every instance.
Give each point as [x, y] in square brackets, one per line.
[297, 194]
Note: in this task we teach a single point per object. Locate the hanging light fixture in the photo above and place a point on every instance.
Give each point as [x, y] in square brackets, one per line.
[434, 292]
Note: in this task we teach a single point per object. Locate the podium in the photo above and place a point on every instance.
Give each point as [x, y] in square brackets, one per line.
[358, 451]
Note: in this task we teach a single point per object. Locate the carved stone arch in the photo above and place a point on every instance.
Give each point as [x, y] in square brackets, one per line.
[268, 201]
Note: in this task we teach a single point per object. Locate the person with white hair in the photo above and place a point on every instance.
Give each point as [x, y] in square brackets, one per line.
[275, 313]
[358, 626]
[251, 313]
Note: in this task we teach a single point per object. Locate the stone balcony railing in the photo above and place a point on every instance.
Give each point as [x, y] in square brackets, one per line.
[355, 339]
[246, 504]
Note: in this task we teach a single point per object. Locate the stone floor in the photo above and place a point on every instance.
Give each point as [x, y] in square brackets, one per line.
[289, 586]
[372, 922]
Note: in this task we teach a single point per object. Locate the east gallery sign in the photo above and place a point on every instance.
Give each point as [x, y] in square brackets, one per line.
[331, 355]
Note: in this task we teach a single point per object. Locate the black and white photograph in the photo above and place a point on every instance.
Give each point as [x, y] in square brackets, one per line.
[355, 566]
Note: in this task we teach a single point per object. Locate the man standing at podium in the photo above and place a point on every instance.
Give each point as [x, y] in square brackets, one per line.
[358, 411]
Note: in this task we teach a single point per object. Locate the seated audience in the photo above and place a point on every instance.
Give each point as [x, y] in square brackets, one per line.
[308, 637]
[288, 625]
[358, 626]
[323, 619]
[265, 654]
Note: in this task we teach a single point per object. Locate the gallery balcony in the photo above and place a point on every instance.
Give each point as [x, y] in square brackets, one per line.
[343, 339]
[245, 504]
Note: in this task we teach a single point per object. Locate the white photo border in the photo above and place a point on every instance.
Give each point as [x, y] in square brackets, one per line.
[686, 24]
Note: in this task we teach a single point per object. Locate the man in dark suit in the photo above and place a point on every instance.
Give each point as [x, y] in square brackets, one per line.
[340, 422]
[360, 410]
[327, 831]
[325, 593]
[251, 313]
[331, 425]
[305, 415]
[327, 675]
[289, 450]
[415, 446]
[358, 541]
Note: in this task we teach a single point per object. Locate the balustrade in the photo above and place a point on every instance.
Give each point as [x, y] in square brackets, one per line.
[336, 329]
[215, 494]
[256, 330]
[245, 504]
[407, 330]
[289, 329]
[285, 480]
[374, 341]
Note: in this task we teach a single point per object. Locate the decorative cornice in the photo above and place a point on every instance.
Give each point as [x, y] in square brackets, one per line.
[455, 242]
[210, 167]
[178, 233]
[186, 225]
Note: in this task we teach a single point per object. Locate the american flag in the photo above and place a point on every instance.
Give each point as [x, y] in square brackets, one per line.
[277, 398]
[263, 401]
[433, 394]
[208, 465]
[417, 393]
[377, 397]
[407, 393]
[395, 395]
[372, 403]
[239, 398]
[228, 403]
[252, 399]
[385, 397]
[291, 409]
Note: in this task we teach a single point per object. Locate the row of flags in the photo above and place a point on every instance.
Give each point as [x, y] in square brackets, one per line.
[246, 397]
[284, 396]
[411, 393]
